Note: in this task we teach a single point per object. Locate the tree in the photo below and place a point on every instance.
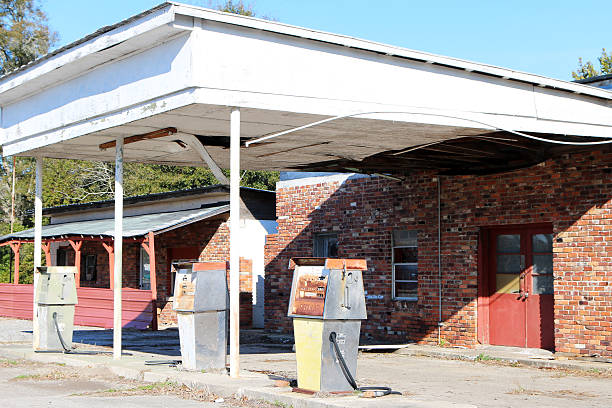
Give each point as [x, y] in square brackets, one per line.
[587, 70]
[24, 34]
[236, 8]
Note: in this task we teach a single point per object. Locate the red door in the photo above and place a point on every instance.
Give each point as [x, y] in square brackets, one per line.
[521, 287]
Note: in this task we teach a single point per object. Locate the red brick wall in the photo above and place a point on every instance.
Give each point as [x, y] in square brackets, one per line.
[210, 236]
[572, 193]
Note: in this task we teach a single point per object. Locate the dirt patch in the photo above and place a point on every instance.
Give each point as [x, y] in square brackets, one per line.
[180, 391]
[553, 394]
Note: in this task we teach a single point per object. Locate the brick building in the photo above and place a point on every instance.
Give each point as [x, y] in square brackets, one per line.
[520, 258]
[188, 224]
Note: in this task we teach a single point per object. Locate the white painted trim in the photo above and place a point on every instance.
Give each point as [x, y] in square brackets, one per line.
[386, 50]
[307, 181]
[38, 204]
[86, 49]
[118, 249]
[234, 222]
[111, 119]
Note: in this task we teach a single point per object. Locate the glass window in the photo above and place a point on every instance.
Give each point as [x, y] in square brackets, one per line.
[325, 245]
[62, 257]
[543, 280]
[509, 244]
[405, 264]
[88, 268]
[145, 270]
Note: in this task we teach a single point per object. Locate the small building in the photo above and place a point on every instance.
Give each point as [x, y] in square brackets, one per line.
[520, 258]
[187, 224]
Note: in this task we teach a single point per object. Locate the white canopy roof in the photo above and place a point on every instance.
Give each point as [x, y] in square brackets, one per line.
[184, 67]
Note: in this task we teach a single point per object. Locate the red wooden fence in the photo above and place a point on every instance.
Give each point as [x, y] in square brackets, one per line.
[95, 306]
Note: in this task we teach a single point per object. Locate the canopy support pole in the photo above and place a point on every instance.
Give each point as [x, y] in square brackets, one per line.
[118, 250]
[37, 244]
[234, 239]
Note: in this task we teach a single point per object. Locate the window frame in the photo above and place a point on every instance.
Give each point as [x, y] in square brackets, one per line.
[61, 254]
[141, 269]
[325, 236]
[394, 264]
[85, 267]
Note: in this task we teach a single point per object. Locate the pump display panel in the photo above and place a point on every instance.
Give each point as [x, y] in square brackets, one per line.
[309, 296]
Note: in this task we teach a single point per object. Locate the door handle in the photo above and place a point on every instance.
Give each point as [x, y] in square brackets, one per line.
[522, 292]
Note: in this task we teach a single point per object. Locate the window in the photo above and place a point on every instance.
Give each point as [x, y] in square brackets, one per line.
[62, 259]
[88, 272]
[405, 266]
[325, 245]
[145, 270]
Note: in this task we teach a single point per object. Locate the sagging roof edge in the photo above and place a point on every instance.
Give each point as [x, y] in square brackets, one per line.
[217, 188]
[14, 237]
[336, 39]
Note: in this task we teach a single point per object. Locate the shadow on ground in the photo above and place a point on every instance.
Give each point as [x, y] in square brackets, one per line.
[166, 341]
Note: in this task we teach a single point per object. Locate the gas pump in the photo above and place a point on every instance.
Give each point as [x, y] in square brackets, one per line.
[201, 301]
[55, 297]
[327, 304]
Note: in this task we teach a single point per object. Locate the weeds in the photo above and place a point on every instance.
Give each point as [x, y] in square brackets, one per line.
[486, 357]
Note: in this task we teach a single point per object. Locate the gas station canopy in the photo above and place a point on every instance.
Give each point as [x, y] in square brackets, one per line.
[183, 68]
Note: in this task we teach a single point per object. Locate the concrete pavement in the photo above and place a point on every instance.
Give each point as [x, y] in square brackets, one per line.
[428, 376]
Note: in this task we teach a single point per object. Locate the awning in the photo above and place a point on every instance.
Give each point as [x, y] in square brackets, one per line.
[133, 226]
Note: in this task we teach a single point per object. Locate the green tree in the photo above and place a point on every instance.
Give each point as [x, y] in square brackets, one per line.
[24, 33]
[588, 70]
[236, 8]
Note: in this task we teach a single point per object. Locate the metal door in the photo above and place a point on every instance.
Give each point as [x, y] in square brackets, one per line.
[521, 287]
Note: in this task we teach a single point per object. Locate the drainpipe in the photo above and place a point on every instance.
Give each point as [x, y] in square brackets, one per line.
[439, 261]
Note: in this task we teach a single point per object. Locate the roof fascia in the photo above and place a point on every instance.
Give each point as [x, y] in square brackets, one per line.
[388, 50]
[84, 50]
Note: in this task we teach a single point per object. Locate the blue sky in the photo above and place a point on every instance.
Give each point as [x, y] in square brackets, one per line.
[543, 37]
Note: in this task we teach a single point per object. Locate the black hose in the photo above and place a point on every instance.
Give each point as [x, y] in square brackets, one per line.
[171, 363]
[66, 349]
[349, 377]
[59, 334]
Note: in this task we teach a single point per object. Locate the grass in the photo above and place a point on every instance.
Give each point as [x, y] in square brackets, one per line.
[27, 377]
[486, 357]
[281, 404]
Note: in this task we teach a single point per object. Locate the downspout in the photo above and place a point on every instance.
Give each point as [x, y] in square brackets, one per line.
[439, 262]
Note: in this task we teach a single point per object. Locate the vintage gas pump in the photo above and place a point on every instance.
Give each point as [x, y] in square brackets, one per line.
[56, 297]
[327, 304]
[201, 302]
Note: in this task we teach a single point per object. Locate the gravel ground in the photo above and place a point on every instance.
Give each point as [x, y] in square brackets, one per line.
[28, 384]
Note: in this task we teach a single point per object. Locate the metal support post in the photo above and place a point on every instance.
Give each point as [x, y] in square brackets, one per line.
[118, 250]
[234, 240]
[37, 244]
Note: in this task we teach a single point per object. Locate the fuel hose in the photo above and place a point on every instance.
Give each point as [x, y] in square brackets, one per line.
[63, 343]
[375, 390]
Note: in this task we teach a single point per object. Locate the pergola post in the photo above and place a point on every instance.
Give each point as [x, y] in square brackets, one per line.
[16, 246]
[76, 246]
[37, 244]
[46, 246]
[111, 263]
[234, 239]
[117, 278]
